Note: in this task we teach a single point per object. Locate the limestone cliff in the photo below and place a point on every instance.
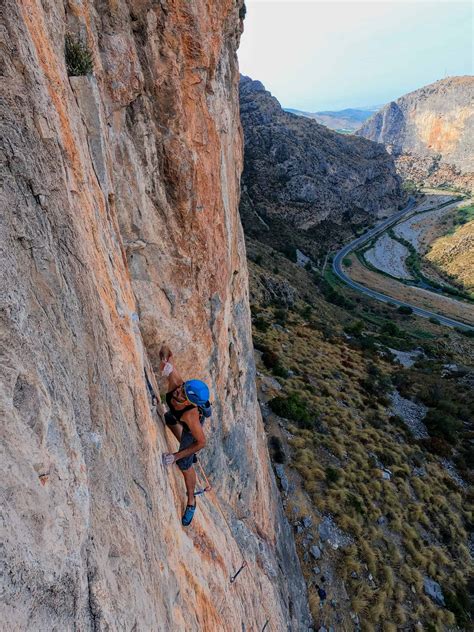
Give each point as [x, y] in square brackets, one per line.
[305, 182]
[120, 230]
[430, 132]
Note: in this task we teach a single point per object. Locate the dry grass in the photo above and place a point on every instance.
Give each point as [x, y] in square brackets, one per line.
[416, 296]
[396, 555]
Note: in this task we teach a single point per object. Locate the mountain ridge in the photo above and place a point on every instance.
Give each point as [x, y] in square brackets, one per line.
[302, 178]
[347, 120]
[429, 131]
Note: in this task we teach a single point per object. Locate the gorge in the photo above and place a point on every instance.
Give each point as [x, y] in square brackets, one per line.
[120, 230]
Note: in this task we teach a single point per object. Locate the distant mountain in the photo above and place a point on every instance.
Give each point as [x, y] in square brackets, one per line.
[304, 184]
[430, 131]
[347, 120]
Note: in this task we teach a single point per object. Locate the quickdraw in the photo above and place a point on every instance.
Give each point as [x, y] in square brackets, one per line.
[234, 577]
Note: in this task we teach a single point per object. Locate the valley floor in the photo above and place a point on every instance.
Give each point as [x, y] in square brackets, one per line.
[397, 262]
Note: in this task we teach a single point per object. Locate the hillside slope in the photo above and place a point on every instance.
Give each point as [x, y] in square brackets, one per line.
[453, 253]
[121, 230]
[369, 413]
[300, 177]
[430, 131]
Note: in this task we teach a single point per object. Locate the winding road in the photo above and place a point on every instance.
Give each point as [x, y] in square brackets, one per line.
[353, 245]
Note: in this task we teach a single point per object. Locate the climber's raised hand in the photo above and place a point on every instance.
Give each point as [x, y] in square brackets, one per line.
[168, 369]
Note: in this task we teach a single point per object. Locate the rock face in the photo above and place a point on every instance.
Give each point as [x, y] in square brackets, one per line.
[300, 176]
[430, 132]
[120, 230]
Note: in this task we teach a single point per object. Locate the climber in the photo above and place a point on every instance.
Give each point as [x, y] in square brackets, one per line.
[188, 404]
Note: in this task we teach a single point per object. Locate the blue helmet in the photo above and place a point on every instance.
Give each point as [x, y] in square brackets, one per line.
[197, 392]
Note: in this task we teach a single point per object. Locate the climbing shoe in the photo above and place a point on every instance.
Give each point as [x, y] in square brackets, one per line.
[188, 515]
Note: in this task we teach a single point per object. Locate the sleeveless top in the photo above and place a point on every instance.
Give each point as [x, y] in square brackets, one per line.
[178, 413]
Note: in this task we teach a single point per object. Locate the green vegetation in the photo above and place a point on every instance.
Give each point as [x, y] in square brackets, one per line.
[410, 187]
[341, 433]
[272, 361]
[276, 447]
[463, 216]
[450, 405]
[330, 290]
[414, 263]
[293, 408]
[78, 57]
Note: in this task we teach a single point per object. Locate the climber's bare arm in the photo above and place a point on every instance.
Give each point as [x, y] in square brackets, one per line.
[191, 419]
[174, 377]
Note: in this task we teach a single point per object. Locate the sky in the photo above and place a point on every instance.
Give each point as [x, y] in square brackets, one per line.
[328, 55]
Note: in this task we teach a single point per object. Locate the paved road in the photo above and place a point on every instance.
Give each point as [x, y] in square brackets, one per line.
[337, 269]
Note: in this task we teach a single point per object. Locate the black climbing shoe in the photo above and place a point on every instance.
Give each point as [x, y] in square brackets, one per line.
[188, 515]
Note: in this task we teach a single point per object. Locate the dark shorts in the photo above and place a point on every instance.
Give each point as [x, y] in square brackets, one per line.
[187, 440]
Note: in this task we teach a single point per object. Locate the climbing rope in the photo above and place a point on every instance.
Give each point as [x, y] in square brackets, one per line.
[208, 488]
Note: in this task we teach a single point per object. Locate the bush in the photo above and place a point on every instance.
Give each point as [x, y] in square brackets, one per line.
[405, 309]
[442, 425]
[261, 324]
[367, 343]
[333, 474]
[377, 384]
[437, 446]
[356, 502]
[331, 294]
[270, 359]
[293, 408]
[78, 57]
[279, 371]
[355, 329]
[290, 252]
[392, 330]
[459, 604]
[281, 316]
[276, 446]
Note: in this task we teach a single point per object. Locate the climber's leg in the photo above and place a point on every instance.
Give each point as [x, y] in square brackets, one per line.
[190, 482]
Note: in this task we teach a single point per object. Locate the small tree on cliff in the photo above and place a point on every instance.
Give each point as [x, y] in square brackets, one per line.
[78, 57]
